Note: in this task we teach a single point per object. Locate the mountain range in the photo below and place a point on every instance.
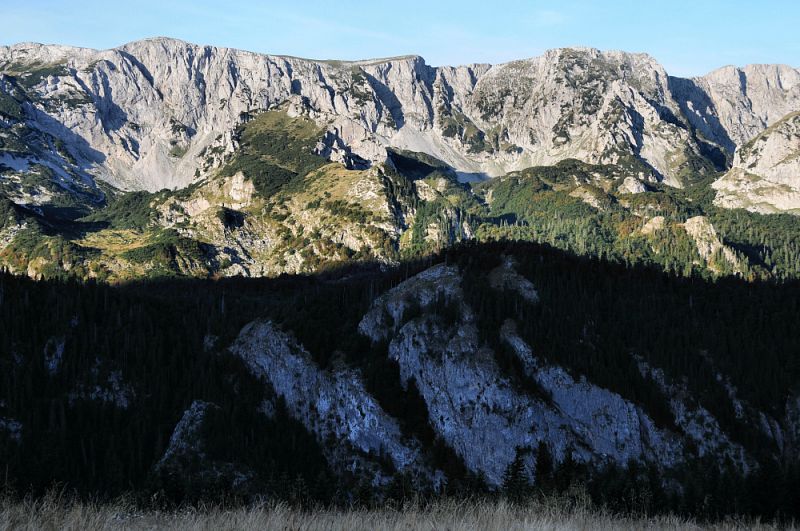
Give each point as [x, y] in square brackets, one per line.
[249, 164]
[124, 114]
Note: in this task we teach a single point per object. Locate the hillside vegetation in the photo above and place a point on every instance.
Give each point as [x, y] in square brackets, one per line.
[276, 207]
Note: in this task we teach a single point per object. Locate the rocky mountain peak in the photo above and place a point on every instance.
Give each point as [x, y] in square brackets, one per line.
[749, 99]
[765, 176]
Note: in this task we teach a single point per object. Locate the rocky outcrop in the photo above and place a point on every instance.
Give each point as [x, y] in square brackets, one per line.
[709, 246]
[11, 428]
[386, 317]
[186, 464]
[480, 412]
[487, 417]
[653, 225]
[106, 385]
[505, 277]
[695, 421]
[54, 354]
[614, 428]
[334, 406]
[631, 185]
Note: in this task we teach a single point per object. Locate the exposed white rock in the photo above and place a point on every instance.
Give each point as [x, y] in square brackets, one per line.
[653, 225]
[332, 405]
[471, 405]
[104, 386]
[745, 412]
[186, 437]
[480, 413]
[585, 104]
[745, 101]
[695, 420]
[588, 196]
[766, 171]
[709, 246]
[505, 276]
[54, 354]
[612, 426]
[632, 185]
[387, 311]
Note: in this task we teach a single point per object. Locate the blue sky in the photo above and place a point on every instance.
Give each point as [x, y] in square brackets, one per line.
[687, 37]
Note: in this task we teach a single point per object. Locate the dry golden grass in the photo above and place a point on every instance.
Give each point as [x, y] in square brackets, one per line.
[114, 241]
[54, 512]
[333, 181]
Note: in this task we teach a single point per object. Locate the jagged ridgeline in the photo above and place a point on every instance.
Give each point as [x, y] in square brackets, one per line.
[163, 158]
[491, 368]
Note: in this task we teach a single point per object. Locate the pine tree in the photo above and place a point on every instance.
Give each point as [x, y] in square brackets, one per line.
[516, 486]
[544, 466]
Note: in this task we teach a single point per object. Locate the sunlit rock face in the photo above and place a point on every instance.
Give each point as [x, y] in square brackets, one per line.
[160, 113]
[765, 176]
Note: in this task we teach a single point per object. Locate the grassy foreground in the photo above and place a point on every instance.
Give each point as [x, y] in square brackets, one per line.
[53, 512]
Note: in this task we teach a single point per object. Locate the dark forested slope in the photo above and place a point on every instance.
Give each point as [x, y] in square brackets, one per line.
[95, 379]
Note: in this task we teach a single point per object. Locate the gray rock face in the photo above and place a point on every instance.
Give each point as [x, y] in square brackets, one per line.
[474, 407]
[151, 114]
[748, 100]
[765, 176]
[159, 113]
[333, 405]
[186, 463]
